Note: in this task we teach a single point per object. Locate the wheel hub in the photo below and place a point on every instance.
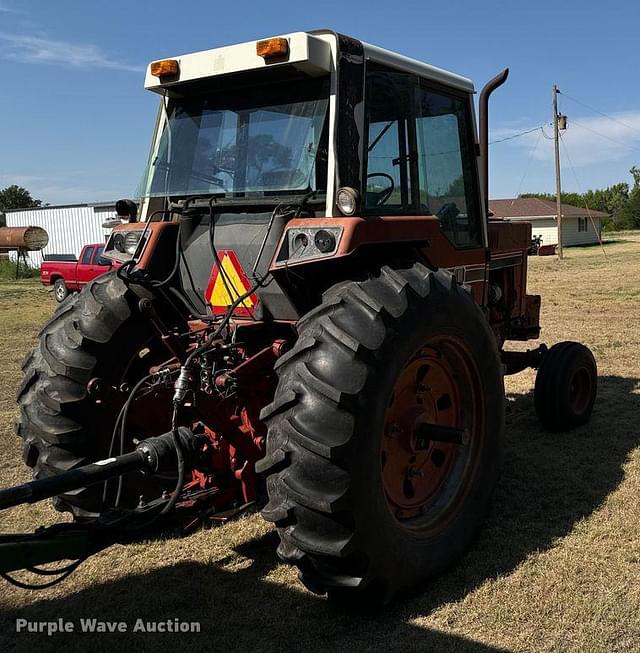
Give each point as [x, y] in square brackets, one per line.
[580, 390]
[425, 393]
[433, 435]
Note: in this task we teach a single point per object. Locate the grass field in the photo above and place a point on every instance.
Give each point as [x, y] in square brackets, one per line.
[557, 567]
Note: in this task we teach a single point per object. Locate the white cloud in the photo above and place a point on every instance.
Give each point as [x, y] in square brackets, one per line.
[37, 50]
[9, 10]
[588, 140]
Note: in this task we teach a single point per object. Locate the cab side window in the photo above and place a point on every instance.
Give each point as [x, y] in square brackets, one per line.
[86, 256]
[98, 259]
[390, 100]
[420, 154]
[446, 165]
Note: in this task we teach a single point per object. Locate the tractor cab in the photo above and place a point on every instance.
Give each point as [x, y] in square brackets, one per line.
[306, 148]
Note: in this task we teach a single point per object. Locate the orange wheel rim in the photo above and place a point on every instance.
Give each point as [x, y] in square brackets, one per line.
[423, 479]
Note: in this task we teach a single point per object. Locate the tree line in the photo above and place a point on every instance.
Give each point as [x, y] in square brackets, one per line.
[16, 197]
[619, 201]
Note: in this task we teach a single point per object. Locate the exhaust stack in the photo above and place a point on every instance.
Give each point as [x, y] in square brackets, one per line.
[488, 89]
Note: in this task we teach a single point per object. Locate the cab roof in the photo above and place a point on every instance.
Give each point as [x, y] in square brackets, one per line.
[311, 52]
[399, 61]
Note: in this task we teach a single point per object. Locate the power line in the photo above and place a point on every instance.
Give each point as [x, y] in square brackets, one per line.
[526, 169]
[579, 185]
[457, 150]
[584, 104]
[527, 131]
[549, 138]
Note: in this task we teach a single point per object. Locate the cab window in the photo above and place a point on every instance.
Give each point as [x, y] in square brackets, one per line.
[420, 154]
[446, 165]
[86, 256]
[390, 99]
[98, 259]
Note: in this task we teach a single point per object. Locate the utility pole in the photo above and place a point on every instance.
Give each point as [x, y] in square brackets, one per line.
[556, 136]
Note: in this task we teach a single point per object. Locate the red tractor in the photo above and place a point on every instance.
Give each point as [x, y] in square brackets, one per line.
[313, 318]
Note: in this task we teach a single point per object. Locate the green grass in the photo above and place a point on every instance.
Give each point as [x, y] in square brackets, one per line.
[8, 271]
[557, 567]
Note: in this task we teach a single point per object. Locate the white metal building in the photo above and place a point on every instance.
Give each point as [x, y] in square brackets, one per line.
[70, 227]
[579, 226]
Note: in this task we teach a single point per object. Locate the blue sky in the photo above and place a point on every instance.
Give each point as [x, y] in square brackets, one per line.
[75, 121]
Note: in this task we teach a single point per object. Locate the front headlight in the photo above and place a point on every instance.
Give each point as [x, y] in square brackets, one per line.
[124, 244]
[118, 241]
[130, 242]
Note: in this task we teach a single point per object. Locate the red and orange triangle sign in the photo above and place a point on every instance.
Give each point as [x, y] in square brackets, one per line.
[226, 286]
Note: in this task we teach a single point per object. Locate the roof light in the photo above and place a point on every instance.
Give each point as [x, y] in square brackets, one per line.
[165, 68]
[270, 49]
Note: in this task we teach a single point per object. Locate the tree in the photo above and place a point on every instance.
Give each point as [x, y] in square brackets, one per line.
[456, 188]
[575, 199]
[609, 200]
[16, 197]
[629, 216]
[626, 212]
[614, 200]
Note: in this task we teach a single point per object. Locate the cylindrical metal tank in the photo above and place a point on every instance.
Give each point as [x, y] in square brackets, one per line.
[23, 238]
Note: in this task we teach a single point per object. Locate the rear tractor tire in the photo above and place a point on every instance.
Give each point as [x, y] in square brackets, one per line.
[385, 434]
[96, 334]
[566, 386]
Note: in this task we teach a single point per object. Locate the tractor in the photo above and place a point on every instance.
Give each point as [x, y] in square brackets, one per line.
[308, 317]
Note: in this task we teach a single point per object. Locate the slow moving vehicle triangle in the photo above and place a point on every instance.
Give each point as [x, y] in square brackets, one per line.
[227, 285]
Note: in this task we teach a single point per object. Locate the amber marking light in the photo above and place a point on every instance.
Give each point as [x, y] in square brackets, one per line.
[164, 68]
[275, 48]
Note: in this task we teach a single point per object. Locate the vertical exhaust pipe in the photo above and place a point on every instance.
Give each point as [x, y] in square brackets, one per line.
[488, 89]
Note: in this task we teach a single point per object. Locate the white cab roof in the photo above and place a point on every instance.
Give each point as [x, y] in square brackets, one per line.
[395, 60]
[307, 51]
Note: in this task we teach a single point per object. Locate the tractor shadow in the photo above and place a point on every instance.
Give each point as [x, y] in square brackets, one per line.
[549, 482]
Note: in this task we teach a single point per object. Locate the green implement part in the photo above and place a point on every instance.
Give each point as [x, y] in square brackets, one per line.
[29, 550]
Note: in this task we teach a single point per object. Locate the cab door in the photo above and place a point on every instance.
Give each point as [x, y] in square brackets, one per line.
[421, 161]
[85, 270]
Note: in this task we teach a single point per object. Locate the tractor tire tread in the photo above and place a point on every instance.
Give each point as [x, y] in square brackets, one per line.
[56, 373]
[311, 420]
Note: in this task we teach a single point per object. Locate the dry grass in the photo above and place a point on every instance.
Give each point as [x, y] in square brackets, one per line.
[557, 567]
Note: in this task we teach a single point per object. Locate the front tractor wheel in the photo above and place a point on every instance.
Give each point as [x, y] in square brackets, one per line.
[385, 434]
[566, 386]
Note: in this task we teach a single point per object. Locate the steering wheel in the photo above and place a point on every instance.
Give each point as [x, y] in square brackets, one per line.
[380, 197]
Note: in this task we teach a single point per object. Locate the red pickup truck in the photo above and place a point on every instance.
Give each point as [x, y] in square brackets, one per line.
[71, 275]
